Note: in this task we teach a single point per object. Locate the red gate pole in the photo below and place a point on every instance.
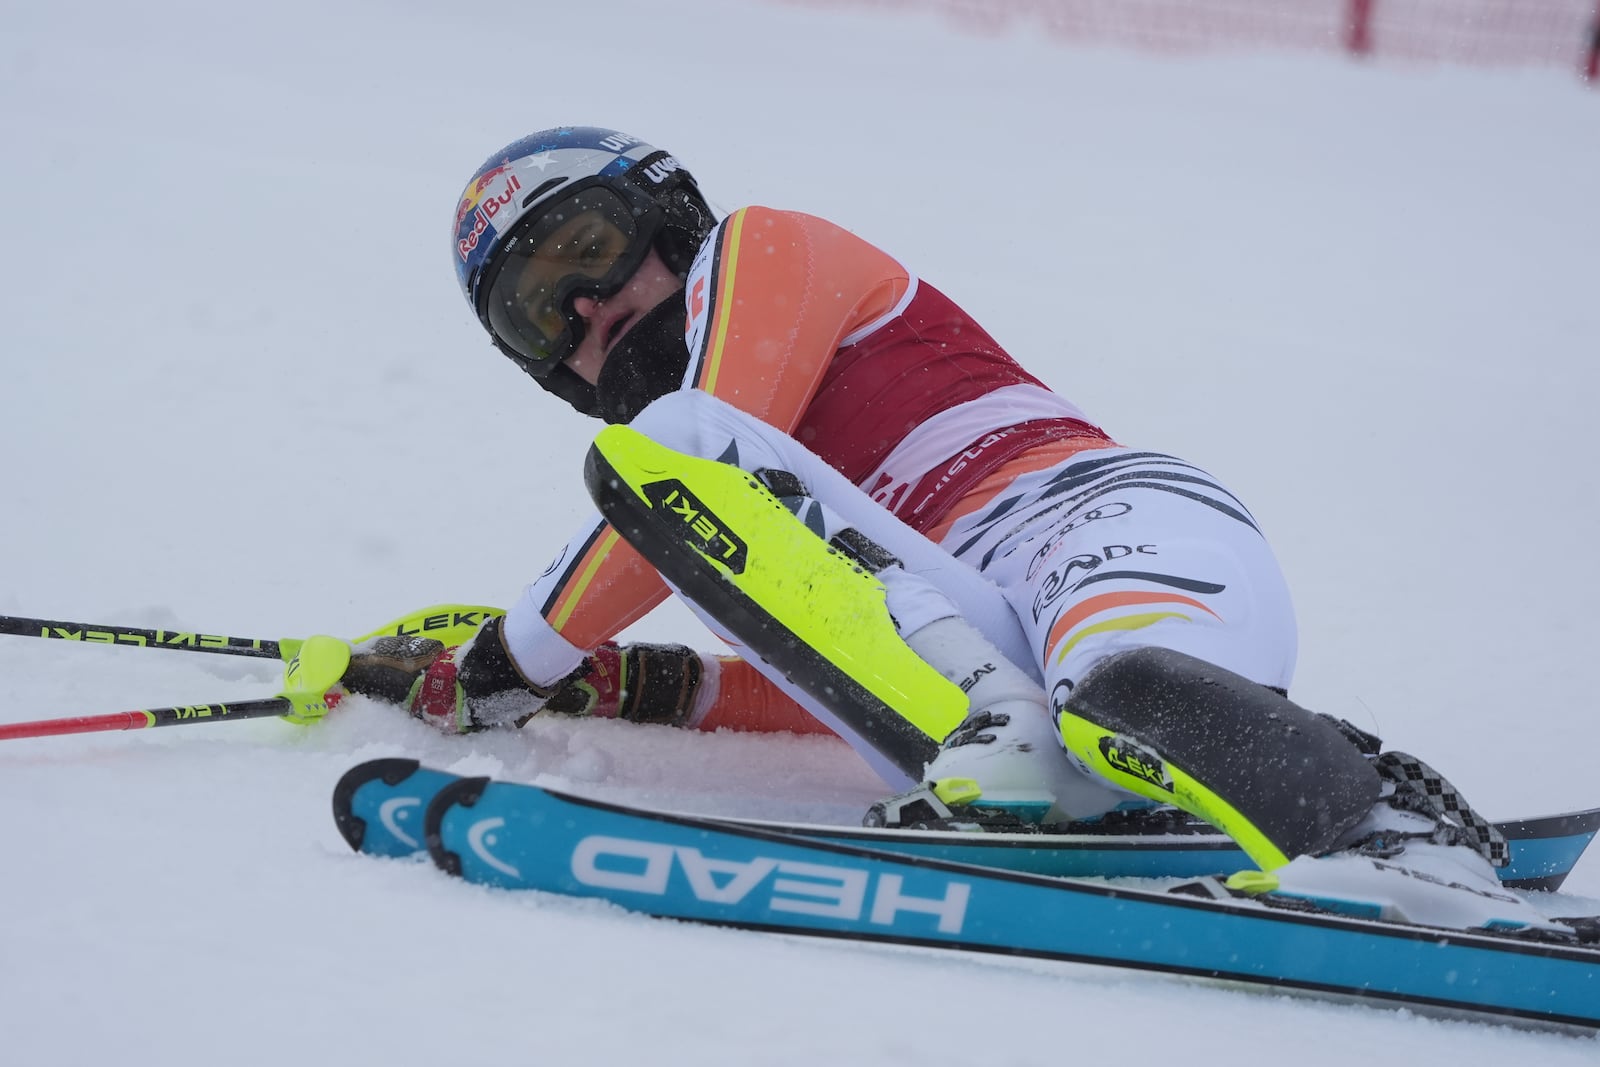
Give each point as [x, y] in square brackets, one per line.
[1358, 27]
[1591, 66]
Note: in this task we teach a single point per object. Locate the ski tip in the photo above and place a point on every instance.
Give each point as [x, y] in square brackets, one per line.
[391, 771]
[463, 792]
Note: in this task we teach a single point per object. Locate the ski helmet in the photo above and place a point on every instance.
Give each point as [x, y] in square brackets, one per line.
[562, 213]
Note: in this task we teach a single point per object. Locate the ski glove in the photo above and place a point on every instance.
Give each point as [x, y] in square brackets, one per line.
[476, 686]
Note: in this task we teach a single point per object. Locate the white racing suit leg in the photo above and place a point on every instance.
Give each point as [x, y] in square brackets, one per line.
[1116, 549]
[1111, 549]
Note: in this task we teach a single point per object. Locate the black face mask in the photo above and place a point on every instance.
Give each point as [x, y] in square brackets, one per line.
[649, 361]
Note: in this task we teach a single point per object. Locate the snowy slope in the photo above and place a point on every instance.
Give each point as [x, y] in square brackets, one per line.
[242, 395]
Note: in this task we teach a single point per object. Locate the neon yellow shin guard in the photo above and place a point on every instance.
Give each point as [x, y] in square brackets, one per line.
[803, 605]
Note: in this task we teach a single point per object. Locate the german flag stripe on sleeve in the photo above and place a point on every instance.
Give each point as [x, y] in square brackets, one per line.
[574, 582]
[723, 272]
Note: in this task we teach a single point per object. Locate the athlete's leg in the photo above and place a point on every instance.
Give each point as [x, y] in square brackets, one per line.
[951, 617]
[1118, 549]
[701, 425]
[1163, 618]
[1110, 551]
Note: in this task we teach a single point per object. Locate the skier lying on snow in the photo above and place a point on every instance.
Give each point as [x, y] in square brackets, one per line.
[1082, 594]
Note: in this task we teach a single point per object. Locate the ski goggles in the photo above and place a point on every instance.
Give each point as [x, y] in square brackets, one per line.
[589, 243]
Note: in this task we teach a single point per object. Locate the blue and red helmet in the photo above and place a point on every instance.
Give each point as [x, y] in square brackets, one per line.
[563, 213]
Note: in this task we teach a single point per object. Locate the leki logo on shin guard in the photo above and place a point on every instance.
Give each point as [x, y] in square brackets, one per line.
[1127, 757]
[699, 526]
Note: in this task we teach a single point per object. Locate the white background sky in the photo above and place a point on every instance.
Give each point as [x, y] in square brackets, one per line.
[241, 394]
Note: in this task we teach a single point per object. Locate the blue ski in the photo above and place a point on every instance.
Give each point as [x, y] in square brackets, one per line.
[704, 870]
[379, 806]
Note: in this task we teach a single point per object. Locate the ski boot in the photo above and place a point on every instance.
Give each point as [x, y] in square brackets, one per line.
[1004, 768]
[1421, 856]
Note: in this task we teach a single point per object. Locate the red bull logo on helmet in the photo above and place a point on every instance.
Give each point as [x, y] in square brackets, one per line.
[488, 195]
[479, 187]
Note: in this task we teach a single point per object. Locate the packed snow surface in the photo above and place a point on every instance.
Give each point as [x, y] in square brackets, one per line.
[243, 396]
